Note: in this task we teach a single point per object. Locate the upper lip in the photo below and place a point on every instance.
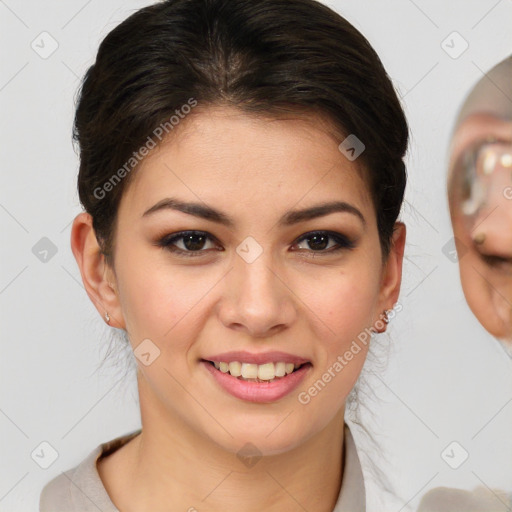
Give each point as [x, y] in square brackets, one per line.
[261, 358]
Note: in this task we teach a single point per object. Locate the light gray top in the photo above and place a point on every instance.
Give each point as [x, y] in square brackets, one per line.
[80, 489]
[481, 499]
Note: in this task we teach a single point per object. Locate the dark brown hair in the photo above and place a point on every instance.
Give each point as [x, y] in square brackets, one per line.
[265, 57]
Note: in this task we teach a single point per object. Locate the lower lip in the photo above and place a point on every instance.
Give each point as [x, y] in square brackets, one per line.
[258, 391]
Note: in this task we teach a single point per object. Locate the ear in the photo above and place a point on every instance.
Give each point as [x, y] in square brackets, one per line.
[392, 273]
[98, 278]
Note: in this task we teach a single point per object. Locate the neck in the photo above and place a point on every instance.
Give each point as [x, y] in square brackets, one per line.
[171, 467]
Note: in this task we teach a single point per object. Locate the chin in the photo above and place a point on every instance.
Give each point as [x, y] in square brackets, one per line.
[265, 439]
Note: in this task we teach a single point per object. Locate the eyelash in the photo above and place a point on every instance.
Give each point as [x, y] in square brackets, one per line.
[343, 242]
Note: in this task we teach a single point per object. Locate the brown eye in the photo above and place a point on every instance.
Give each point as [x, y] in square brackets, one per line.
[318, 241]
[193, 242]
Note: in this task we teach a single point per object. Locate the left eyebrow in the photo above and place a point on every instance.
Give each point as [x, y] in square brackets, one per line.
[296, 216]
[288, 219]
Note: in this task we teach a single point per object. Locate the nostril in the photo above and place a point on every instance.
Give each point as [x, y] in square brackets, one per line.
[494, 260]
[494, 247]
[492, 235]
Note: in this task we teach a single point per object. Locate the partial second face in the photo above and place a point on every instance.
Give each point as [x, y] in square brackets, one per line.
[480, 191]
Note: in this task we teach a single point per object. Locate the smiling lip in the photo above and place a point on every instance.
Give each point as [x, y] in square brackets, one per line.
[261, 392]
[264, 357]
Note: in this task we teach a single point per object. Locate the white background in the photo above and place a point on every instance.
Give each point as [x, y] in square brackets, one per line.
[444, 377]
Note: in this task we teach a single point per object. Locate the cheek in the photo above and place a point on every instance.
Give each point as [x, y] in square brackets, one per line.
[345, 307]
[352, 303]
[344, 315]
[488, 295]
[348, 298]
[350, 317]
[155, 297]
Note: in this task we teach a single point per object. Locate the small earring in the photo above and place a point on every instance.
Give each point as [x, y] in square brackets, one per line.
[107, 317]
[386, 317]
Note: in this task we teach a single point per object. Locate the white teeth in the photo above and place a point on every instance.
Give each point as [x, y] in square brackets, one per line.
[266, 371]
[250, 371]
[235, 368]
[280, 369]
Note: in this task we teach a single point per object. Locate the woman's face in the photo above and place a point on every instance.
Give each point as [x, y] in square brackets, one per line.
[252, 278]
[480, 191]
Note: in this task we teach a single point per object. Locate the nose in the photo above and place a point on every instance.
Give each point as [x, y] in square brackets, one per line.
[257, 300]
[493, 233]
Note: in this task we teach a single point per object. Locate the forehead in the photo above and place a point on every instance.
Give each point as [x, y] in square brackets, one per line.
[229, 158]
[492, 94]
